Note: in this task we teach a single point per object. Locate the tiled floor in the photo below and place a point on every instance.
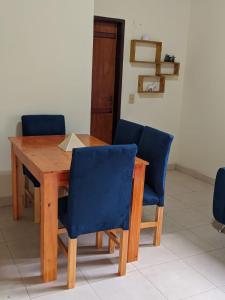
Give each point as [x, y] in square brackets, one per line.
[189, 264]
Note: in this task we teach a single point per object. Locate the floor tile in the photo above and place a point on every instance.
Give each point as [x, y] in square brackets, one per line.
[185, 243]
[209, 233]
[187, 218]
[200, 199]
[25, 250]
[14, 294]
[133, 286]
[173, 189]
[169, 225]
[90, 240]
[211, 265]
[33, 281]
[193, 184]
[20, 230]
[214, 294]
[172, 203]
[188, 234]
[196, 185]
[78, 293]
[151, 255]
[6, 216]
[146, 236]
[9, 275]
[176, 280]
[98, 264]
[222, 288]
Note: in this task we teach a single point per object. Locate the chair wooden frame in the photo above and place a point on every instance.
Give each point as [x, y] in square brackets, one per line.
[157, 224]
[36, 198]
[71, 251]
[33, 197]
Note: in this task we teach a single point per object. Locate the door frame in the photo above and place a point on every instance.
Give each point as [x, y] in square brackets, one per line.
[119, 66]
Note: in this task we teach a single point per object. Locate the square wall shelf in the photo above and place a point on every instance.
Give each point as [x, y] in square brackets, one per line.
[156, 84]
[152, 84]
[173, 66]
[151, 44]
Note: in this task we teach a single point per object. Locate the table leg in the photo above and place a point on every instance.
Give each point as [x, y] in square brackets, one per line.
[136, 212]
[49, 226]
[16, 186]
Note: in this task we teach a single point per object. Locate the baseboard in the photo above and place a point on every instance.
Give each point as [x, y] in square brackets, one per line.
[195, 174]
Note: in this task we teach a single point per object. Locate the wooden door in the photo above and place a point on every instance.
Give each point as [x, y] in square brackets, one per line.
[103, 79]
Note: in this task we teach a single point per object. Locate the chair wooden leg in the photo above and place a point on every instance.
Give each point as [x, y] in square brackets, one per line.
[99, 239]
[111, 246]
[37, 205]
[72, 259]
[158, 230]
[123, 252]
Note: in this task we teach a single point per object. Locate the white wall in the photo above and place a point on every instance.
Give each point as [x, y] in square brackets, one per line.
[45, 66]
[202, 135]
[166, 21]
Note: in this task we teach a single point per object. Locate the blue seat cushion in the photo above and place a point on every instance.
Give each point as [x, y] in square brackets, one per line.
[26, 172]
[150, 197]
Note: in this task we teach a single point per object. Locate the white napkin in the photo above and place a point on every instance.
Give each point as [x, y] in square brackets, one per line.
[70, 142]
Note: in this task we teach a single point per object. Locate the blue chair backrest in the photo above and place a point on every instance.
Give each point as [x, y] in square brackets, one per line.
[154, 147]
[34, 125]
[219, 196]
[100, 188]
[127, 133]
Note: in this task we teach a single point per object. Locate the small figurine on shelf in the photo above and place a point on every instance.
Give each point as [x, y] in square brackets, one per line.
[169, 58]
[152, 87]
[172, 58]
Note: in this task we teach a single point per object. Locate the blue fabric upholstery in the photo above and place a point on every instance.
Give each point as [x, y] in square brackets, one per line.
[150, 197]
[99, 190]
[154, 147]
[127, 133]
[219, 196]
[34, 125]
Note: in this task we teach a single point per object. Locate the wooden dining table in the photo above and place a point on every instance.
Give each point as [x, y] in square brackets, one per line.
[51, 165]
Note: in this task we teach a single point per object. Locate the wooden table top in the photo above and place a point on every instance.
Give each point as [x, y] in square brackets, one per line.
[43, 152]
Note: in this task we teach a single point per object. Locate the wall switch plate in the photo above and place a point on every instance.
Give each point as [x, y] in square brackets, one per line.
[131, 98]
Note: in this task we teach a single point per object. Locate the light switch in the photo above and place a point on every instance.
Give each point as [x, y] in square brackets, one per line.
[131, 98]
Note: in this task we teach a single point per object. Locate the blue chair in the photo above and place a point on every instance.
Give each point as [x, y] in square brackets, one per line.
[99, 199]
[154, 147]
[219, 198]
[37, 125]
[127, 133]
